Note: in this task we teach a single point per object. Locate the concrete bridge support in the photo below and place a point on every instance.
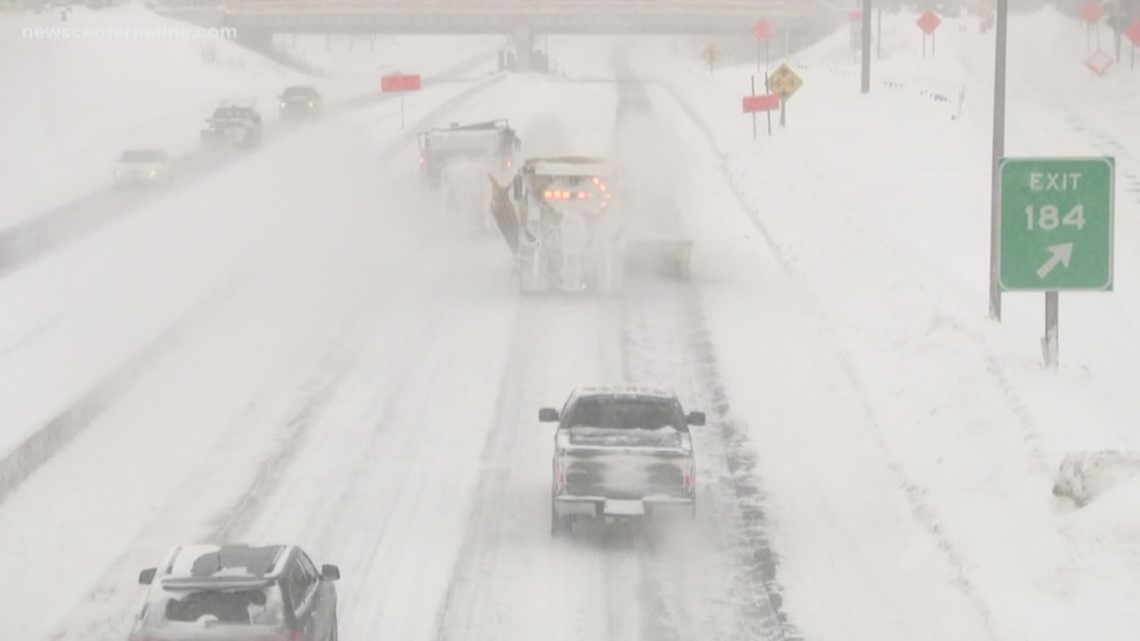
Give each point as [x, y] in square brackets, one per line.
[256, 38]
[524, 48]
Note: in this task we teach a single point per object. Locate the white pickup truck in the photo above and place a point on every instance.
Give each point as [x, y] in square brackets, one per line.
[620, 453]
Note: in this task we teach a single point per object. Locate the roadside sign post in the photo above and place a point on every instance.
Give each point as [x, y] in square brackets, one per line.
[879, 36]
[1091, 14]
[784, 83]
[928, 22]
[763, 31]
[768, 112]
[711, 55]
[1133, 33]
[753, 113]
[1002, 20]
[766, 103]
[866, 70]
[1056, 231]
[402, 84]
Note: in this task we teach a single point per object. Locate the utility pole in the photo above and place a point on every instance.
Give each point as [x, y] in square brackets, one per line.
[867, 46]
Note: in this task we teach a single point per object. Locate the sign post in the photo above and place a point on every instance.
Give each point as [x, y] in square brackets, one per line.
[928, 22]
[746, 107]
[766, 103]
[401, 83]
[1133, 33]
[768, 112]
[763, 31]
[866, 70]
[1056, 231]
[879, 36]
[995, 161]
[785, 83]
[1091, 14]
[711, 55]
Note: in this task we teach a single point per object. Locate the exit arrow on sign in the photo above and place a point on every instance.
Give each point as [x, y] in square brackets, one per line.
[1062, 255]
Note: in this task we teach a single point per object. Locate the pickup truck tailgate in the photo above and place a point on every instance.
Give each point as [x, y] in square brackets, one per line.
[625, 464]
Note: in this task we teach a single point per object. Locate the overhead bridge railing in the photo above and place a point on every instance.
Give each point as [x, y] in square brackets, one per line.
[487, 16]
[514, 7]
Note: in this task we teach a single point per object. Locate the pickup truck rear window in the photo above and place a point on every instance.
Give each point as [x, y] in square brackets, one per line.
[626, 413]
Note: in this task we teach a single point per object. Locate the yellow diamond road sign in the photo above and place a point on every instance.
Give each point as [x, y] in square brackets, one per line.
[711, 54]
[784, 81]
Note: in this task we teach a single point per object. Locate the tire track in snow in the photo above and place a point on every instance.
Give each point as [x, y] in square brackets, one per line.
[661, 331]
[575, 589]
[666, 342]
[39, 447]
[104, 611]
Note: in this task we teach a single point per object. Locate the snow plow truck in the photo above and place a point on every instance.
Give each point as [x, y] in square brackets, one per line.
[454, 159]
[564, 223]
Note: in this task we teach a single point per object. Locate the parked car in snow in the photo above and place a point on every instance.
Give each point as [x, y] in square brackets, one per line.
[142, 167]
[238, 592]
[621, 453]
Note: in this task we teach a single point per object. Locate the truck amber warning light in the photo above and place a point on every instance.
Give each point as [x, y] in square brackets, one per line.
[563, 194]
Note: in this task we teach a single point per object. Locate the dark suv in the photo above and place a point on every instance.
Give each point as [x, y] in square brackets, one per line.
[238, 592]
[301, 102]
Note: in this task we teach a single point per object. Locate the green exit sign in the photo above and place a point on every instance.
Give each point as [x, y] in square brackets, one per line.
[1056, 224]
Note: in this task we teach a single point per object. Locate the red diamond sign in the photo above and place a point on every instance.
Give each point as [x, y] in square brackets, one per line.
[928, 22]
[1099, 62]
[1133, 32]
[1092, 13]
[855, 16]
[762, 29]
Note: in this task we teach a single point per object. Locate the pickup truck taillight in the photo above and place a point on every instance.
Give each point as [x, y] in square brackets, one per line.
[559, 473]
[690, 477]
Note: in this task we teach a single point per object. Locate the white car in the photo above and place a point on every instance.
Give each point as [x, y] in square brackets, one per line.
[142, 167]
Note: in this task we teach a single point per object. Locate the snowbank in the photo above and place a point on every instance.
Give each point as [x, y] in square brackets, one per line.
[1084, 476]
[878, 206]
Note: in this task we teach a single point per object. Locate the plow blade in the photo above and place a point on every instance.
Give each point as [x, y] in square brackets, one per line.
[659, 257]
[506, 219]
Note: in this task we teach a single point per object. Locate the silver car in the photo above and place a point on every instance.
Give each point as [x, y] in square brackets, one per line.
[142, 167]
[238, 592]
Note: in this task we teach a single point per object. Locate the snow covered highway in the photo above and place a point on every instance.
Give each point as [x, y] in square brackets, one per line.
[307, 343]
